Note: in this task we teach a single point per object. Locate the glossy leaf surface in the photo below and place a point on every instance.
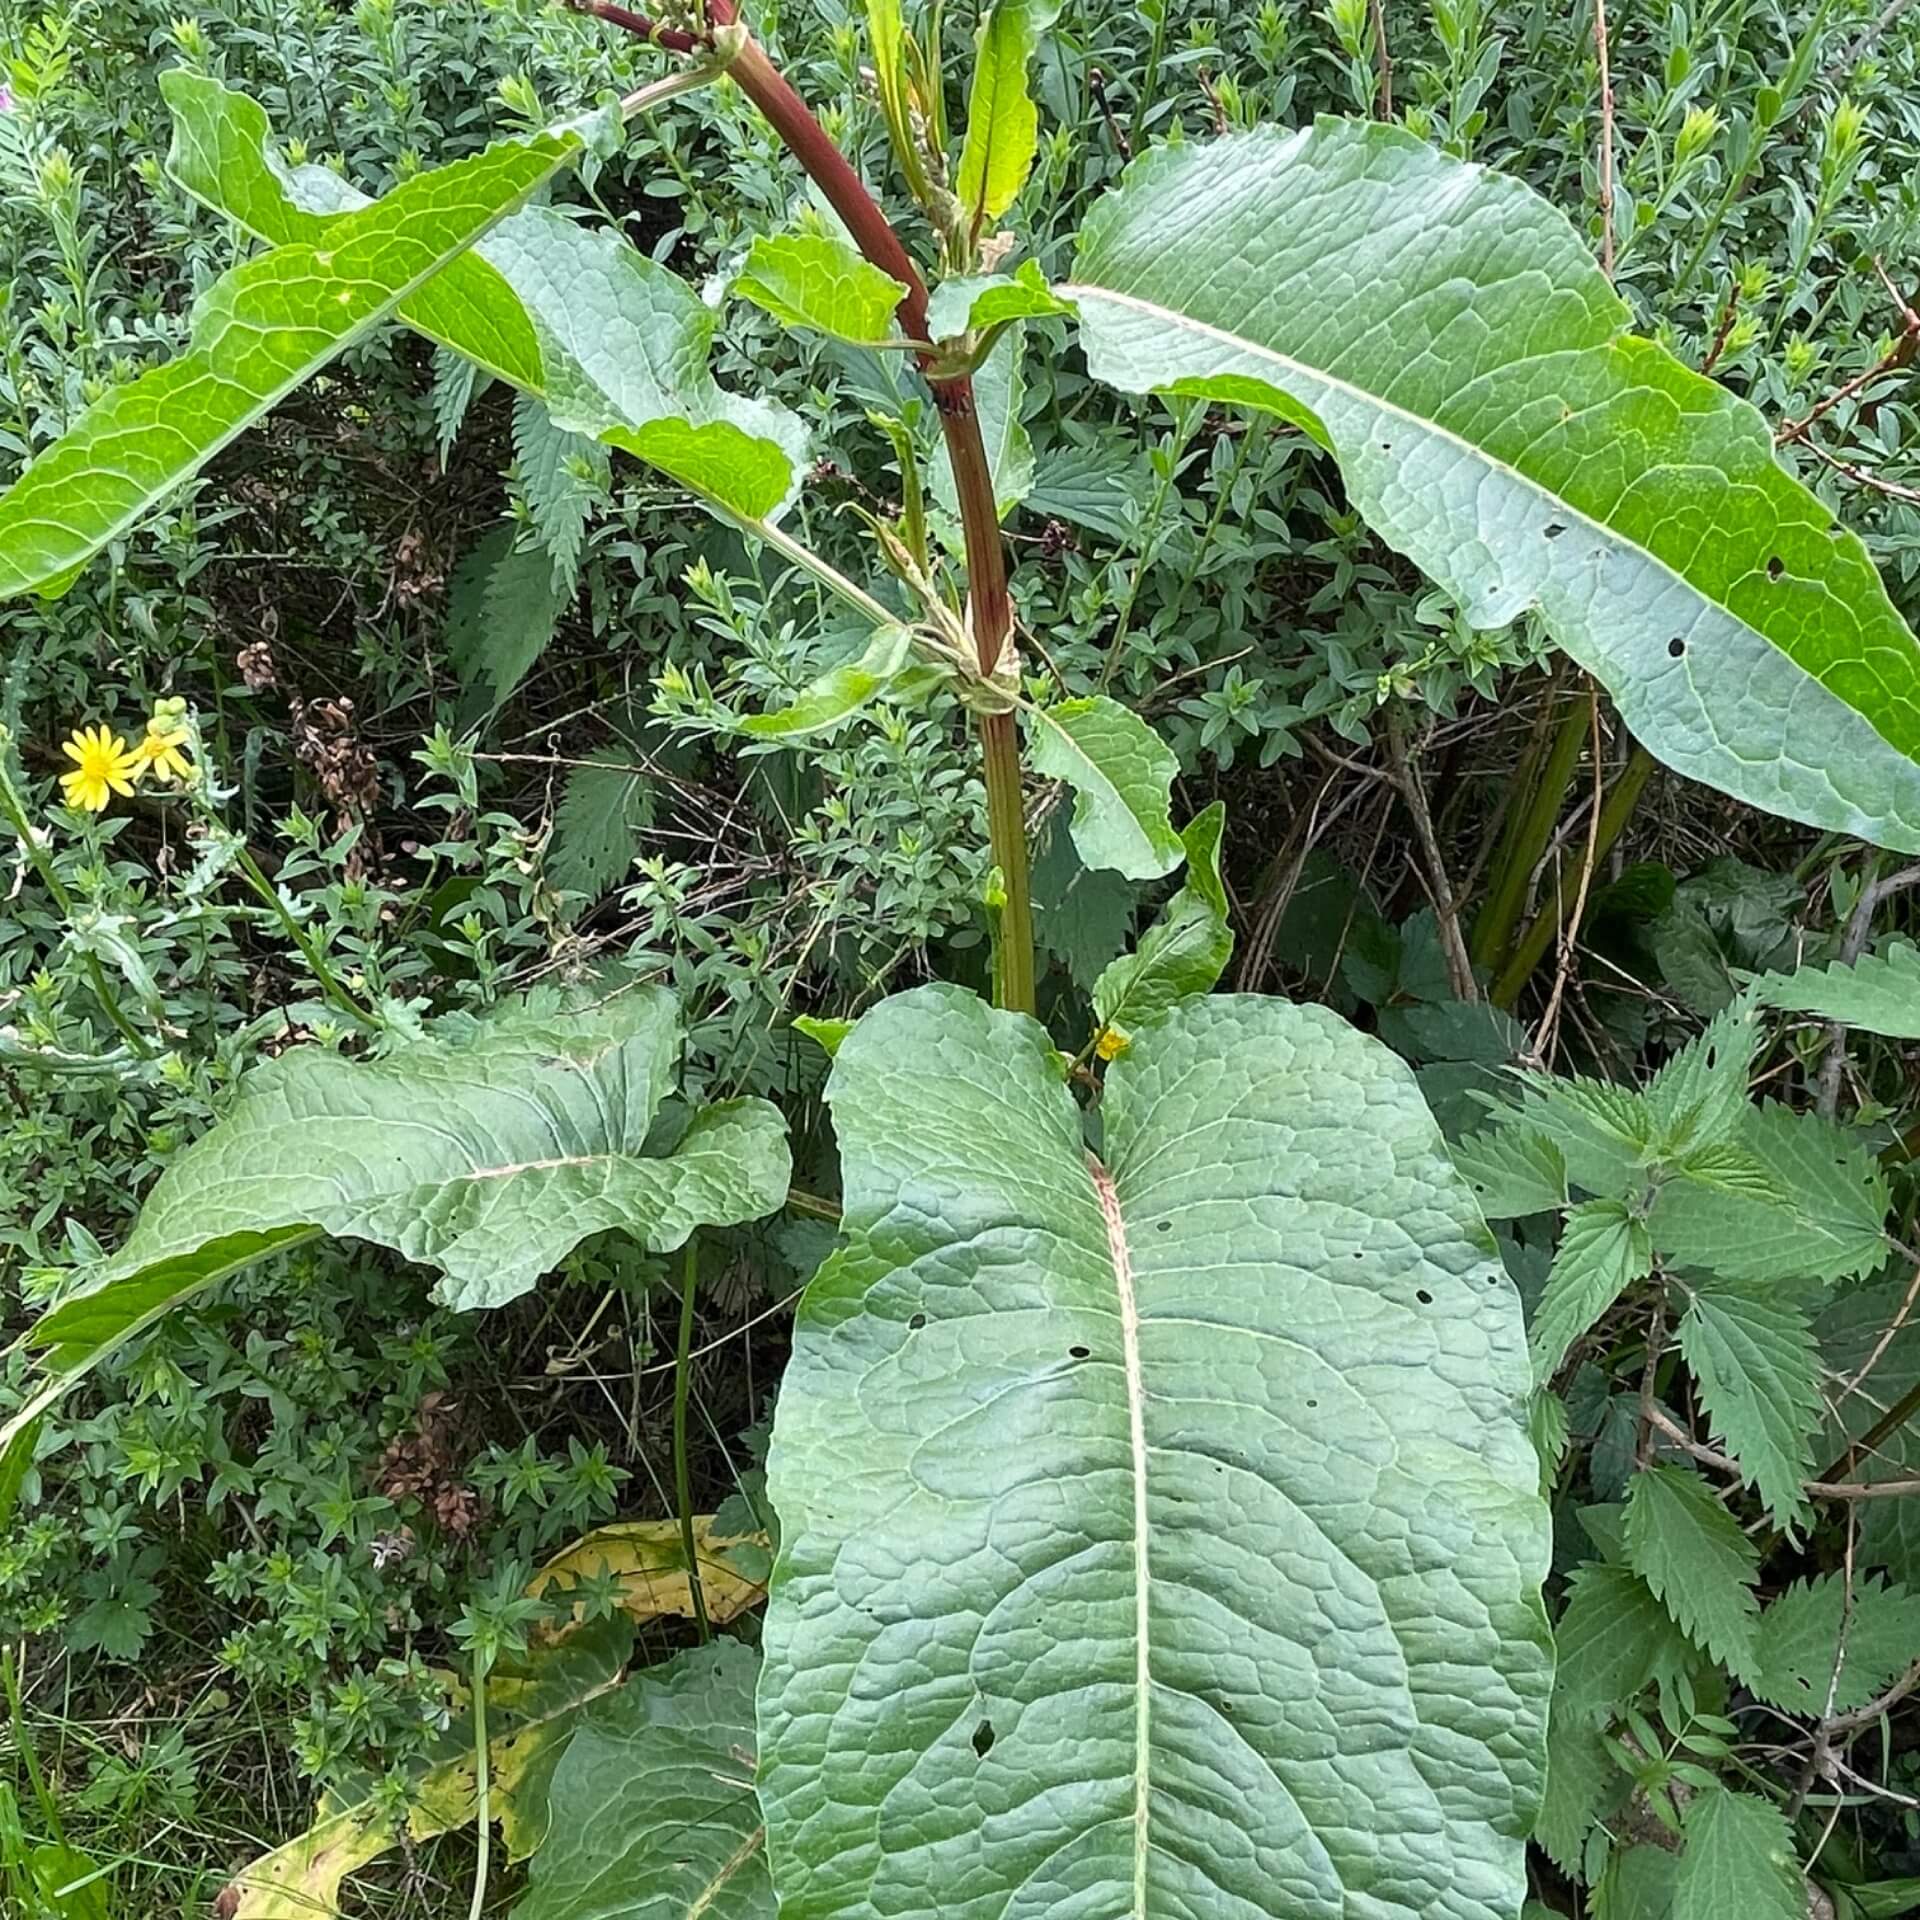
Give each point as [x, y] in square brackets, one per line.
[259, 331]
[1160, 1533]
[1446, 333]
[615, 344]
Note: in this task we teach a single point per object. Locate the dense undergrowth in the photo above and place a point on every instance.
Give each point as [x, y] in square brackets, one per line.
[466, 700]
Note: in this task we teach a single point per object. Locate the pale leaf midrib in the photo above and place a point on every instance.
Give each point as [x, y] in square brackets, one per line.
[1239, 342]
[1121, 1257]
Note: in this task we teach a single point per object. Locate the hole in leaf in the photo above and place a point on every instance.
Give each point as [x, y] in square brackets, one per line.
[1676, 647]
[918, 1321]
[1313, 1403]
[983, 1738]
[1165, 1226]
[1080, 1353]
[1423, 1296]
[1713, 1058]
[1552, 530]
[1775, 566]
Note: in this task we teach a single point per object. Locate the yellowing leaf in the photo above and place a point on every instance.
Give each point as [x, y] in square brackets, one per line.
[647, 1558]
[535, 1704]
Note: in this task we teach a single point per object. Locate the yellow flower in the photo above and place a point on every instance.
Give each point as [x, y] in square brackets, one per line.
[103, 766]
[159, 753]
[1112, 1043]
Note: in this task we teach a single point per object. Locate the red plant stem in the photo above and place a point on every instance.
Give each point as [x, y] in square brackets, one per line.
[791, 118]
[674, 39]
[992, 610]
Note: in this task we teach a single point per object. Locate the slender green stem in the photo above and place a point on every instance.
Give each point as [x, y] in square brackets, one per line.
[990, 605]
[1615, 811]
[110, 1005]
[482, 1792]
[1524, 841]
[1007, 834]
[23, 1745]
[15, 809]
[16, 812]
[309, 948]
[682, 1471]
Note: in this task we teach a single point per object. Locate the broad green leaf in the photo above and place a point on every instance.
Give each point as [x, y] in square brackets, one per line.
[980, 303]
[1753, 1362]
[1003, 127]
[612, 342]
[1083, 915]
[1738, 1862]
[259, 331]
[1513, 1171]
[1121, 773]
[825, 1034]
[489, 1151]
[1603, 1250]
[1447, 334]
[501, 613]
[816, 280]
[73, 1886]
[1158, 1529]
[1879, 993]
[1614, 1638]
[1691, 1552]
[839, 694]
[887, 35]
[535, 1704]
[1827, 1221]
[654, 1815]
[1185, 951]
[1799, 1643]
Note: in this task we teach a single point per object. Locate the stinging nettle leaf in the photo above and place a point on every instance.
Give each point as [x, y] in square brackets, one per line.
[1738, 1862]
[260, 330]
[1156, 1530]
[1879, 993]
[501, 612]
[1753, 1362]
[1121, 773]
[1513, 1171]
[1825, 1218]
[1603, 1250]
[816, 280]
[1446, 333]
[1800, 1640]
[1699, 1564]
